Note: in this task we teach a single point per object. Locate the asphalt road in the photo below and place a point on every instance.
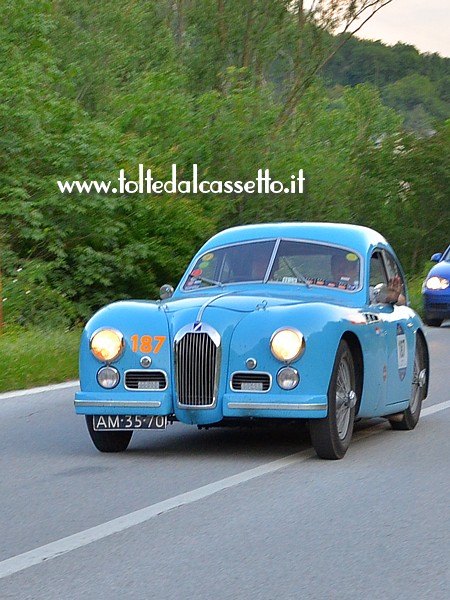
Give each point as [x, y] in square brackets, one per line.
[224, 514]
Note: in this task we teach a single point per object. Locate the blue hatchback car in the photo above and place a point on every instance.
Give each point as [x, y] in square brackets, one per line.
[282, 321]
[436, 290]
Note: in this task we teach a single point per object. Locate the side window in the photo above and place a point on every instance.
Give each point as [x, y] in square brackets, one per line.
[395, 275]
[393, 270]
[377, 270]
[377, 275]
[385, 270]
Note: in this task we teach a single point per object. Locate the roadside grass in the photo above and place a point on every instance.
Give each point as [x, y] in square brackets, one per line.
[415, 295]
[33, 357]
[415, 290]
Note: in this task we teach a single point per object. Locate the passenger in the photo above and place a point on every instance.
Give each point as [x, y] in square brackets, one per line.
[395, 291]
[345, 270]
[259, 267]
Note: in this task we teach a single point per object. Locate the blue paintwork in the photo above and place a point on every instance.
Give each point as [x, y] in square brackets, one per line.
[437, 302]
[246, 315]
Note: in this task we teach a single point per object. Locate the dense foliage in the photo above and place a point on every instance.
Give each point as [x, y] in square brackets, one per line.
[416, 85]
[90, 88]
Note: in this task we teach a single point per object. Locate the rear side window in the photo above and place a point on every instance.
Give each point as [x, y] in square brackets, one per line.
[393, 271]
[385, 270]
[377, 270]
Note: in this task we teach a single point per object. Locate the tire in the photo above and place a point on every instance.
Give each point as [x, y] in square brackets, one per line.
[331, 436]
[408, 419]
[432, 322]
[108, 441]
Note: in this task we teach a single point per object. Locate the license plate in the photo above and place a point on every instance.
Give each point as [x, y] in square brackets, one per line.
[123, 422]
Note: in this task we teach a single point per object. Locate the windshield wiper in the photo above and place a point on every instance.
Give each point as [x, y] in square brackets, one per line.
[296, 272]
[210, 281]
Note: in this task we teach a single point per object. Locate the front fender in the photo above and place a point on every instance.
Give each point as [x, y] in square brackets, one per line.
[146, 332]
[322, 326]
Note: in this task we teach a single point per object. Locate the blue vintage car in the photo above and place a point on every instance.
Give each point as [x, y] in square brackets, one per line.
[278, 321]
[436, 290]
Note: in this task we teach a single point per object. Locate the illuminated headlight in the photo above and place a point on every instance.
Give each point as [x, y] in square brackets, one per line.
[437, 283]
[108, 377]
[107, 344]
[288, 378]
[287, 344]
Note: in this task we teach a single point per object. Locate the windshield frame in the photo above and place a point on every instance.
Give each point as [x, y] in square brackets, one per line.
[265, 280]
[446, 255]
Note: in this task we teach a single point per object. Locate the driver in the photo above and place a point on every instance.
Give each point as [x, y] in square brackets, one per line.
[345, 269]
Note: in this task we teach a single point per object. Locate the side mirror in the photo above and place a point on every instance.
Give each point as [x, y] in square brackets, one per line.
[436, 257]
[165, 291]
[381, 294]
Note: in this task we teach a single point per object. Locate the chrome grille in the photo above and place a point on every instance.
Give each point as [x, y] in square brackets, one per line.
[250, 382]
[145, 380]
[197, 369]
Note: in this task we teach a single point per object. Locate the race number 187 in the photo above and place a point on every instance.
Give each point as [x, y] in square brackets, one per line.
[147, 344]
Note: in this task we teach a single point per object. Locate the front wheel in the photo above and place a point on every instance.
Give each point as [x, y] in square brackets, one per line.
[408, 419]
[432, 322]
[108, 441]
[331, 436]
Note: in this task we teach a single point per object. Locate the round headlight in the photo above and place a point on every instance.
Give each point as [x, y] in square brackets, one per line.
[437, 283]
[287, 344]
[107, 344]
[108, 377]
[288, 378]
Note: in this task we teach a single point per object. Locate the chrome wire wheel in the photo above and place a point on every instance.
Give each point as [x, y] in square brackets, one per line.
[331, 435]
[418, 382]
[409, 418]
[345, 397]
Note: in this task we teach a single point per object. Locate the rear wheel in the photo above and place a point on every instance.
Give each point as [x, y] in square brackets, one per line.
[408, 419]
[108, 441]
[331, 436]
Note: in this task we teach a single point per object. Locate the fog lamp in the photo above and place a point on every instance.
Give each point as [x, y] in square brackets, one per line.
[108, 377]
[288, 378]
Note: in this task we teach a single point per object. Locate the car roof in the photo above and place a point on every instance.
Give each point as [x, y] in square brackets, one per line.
[350, 236]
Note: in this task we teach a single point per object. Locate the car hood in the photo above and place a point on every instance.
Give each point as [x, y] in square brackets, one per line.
[234, 301]
[224, 311]
[442, 269]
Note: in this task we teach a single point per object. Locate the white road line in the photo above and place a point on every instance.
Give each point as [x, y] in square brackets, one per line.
[430, 410]
[72, 542]
[39, 390]
[83, 538]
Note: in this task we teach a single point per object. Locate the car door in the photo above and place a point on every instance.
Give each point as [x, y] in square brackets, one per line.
[400, 339]
[397, 329]
[380, 324]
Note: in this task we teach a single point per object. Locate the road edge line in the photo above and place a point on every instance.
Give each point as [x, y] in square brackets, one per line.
[39, 390]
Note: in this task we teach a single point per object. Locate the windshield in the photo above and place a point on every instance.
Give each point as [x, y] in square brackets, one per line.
[288, 262]
[446, 255]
